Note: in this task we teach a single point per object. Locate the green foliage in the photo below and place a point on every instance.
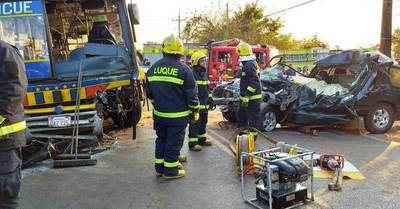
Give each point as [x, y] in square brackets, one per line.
[248, 23]
[396, 43]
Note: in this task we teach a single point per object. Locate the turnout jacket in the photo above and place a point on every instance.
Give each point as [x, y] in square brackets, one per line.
[250, 87]
[172, 90]
[201, 77]
[13, 84]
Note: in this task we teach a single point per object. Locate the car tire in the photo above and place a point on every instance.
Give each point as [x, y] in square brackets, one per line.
[230, 116]
[269, 118]
[380, 118]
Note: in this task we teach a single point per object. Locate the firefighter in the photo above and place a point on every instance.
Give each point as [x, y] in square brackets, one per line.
[197, 131]
[13, 86]
[173, 92]
[250, 90]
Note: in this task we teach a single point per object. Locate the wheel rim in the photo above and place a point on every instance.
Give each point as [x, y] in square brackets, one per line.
[269, 122]
[381, 118]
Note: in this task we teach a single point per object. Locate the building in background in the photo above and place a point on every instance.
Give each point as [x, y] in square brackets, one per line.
[305, 57]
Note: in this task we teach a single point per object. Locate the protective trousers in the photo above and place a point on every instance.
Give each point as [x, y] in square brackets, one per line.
[10, 178]
[250, 115]
[197, 131]
[168, 146]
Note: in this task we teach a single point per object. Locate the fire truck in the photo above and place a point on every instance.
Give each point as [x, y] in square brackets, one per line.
[223, 60]
[62, 41]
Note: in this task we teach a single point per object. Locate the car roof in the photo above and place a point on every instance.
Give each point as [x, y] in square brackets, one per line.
[349, 57]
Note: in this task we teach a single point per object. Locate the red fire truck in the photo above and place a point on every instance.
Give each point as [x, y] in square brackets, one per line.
[223, 60]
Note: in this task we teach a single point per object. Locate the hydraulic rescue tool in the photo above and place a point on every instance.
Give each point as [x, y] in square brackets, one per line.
[246, 143]
[333, 162]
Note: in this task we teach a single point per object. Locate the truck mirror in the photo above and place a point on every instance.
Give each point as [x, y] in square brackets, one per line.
[134, 14]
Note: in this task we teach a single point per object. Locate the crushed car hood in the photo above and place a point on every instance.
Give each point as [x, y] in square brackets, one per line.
[303, 99]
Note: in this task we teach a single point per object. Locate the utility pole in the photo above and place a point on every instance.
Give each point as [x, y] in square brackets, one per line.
[227, 10]
[179, 22]
[386, 28]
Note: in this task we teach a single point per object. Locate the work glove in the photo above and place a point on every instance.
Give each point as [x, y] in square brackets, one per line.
[194, 116]
[244, 101]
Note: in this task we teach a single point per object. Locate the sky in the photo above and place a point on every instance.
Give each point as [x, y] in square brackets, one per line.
[344, 23]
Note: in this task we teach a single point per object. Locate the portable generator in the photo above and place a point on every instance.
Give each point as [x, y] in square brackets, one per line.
[283, 180]
[286, 176]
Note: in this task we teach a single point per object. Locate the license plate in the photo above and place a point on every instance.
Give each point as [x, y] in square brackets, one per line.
[290, 197]
[60, 121]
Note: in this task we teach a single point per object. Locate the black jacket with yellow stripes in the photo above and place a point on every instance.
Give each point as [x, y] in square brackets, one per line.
[13, 84]
[201, 77]
[250, 86]
[172, 89]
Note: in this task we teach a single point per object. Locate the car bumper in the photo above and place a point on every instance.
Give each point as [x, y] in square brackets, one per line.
[90, 127]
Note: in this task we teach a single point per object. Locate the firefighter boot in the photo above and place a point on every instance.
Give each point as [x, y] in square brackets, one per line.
[196, 148]
[206, 143]
[182, 158]
[203, 141]
[181, 173]
[180, 166]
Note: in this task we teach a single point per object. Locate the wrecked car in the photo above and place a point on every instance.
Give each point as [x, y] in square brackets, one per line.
[340, 88]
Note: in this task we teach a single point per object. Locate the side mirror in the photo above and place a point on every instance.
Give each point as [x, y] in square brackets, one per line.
[134, 14]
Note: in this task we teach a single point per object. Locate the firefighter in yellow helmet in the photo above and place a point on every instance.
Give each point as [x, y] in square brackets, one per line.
[197, 131]
[250, 89]
[173, 92]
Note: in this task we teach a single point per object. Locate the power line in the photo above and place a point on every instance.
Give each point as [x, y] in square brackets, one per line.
[289, 8]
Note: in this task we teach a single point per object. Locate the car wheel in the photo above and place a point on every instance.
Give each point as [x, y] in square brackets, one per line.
[380, 119]
[230, 116]
[269, 118]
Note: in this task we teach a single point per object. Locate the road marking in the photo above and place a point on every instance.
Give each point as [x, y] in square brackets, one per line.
[376, 138]
[382, 157]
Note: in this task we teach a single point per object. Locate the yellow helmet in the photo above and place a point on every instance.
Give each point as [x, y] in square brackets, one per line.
[244, 51]
[172, 45]
[196, 57]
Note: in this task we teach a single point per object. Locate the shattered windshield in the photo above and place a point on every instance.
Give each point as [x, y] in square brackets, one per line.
[346, 76]
[276, 72]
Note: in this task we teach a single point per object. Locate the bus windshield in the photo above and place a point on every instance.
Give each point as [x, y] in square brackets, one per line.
[27, 34]
[22, 25]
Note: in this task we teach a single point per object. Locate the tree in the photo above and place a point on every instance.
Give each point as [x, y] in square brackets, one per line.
[396, 43]
[312, 43]
[248, 23]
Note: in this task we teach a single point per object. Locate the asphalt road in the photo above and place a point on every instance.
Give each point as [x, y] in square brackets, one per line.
[124, 176]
